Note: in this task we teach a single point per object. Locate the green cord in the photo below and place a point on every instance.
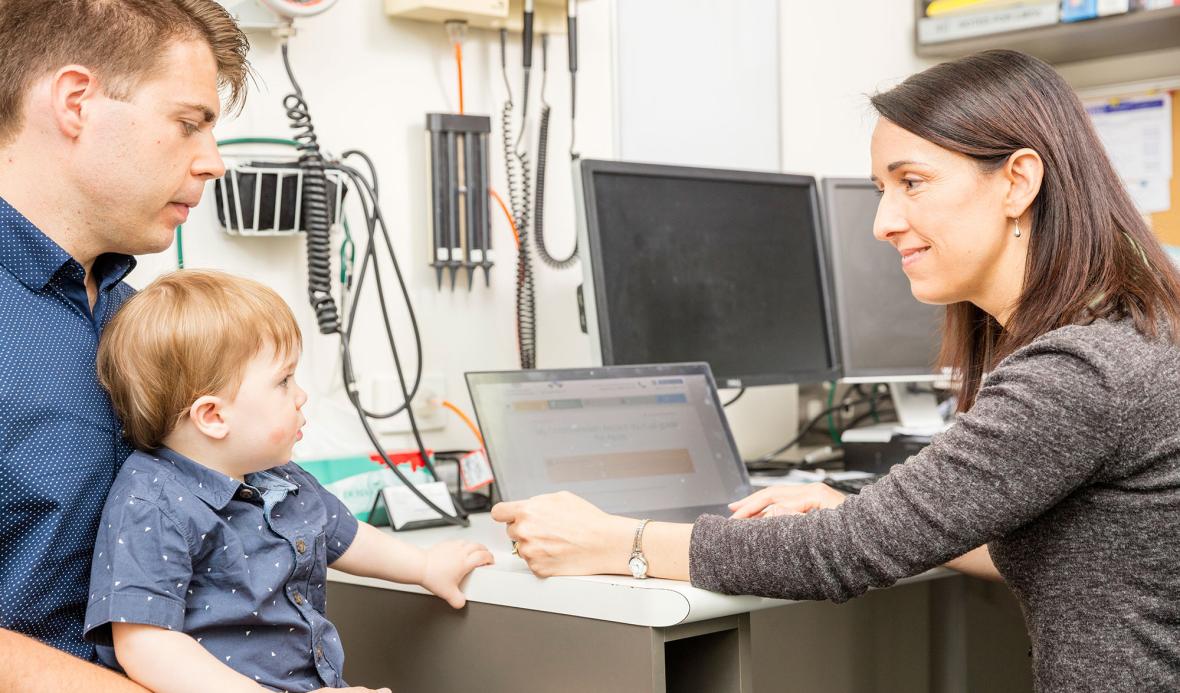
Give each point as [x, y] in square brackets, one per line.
[257, 140]
[180, 247]
[347, 253]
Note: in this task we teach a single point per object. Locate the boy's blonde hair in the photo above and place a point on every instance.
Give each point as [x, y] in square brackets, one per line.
[188, 334]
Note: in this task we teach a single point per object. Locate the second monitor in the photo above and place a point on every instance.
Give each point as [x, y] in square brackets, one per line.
[885, 334]
[694, 264]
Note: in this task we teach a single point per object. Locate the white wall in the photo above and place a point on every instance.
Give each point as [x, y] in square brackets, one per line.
[698, 83]
[370, 80]
[836, 54]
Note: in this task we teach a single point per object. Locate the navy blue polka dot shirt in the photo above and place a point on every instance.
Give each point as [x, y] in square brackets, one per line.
[241, 567]
[60, 442]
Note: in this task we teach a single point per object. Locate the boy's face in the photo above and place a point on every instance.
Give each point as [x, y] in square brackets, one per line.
[266, 416]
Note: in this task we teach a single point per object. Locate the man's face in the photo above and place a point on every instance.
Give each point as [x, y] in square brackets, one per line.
[143, 163]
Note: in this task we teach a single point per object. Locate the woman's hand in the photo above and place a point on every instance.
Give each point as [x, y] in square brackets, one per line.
[562, 534]
[447, 563]
[786, 500]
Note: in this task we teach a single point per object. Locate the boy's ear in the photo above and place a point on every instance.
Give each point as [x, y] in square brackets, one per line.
[206, 416]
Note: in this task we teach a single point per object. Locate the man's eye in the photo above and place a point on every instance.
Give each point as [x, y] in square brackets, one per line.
[189, 128]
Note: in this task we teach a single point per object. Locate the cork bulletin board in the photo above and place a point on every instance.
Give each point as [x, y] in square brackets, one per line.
[1167, 224]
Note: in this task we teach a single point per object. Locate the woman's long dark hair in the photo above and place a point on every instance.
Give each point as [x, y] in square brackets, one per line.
[1090, 255]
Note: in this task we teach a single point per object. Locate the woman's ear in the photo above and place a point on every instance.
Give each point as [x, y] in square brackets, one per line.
[1024, 172]
[205, 414]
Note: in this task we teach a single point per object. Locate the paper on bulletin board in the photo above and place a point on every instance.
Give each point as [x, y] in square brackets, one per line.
[1137, 135]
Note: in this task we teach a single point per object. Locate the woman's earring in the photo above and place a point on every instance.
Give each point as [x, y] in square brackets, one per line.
[1016, 223]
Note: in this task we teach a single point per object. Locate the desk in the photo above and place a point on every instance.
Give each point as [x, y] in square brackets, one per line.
[521, 633]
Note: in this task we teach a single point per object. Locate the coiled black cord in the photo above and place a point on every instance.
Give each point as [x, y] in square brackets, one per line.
[542, 158]
[519, 196]
[316, 207]
[320, 283]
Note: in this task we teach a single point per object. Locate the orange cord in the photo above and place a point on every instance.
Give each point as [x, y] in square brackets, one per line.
[466, 420]
[459, 65]
[511, 221]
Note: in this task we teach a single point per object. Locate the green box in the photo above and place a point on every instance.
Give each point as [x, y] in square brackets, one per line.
[357, 480]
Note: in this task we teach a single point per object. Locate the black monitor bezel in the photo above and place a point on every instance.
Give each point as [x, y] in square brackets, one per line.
[589, 168]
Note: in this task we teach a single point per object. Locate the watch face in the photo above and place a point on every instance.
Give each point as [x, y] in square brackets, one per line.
[638, 566]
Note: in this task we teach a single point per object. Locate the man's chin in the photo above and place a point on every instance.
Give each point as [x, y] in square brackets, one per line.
[157, 241]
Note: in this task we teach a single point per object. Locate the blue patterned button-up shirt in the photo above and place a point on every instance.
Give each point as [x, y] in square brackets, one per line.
[240, 567]
[60, 442]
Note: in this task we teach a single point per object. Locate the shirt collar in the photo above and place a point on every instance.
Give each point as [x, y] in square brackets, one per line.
[34, 258]
[209, 485]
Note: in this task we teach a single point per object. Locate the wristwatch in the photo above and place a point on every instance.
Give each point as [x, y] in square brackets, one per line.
[638, 562]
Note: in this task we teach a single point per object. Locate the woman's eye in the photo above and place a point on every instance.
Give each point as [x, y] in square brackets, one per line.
[910, 183]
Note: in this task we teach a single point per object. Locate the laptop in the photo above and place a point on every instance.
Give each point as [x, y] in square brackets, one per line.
[642, 441]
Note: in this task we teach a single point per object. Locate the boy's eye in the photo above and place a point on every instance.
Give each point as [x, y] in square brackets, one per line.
[189, 128]
[285, 381]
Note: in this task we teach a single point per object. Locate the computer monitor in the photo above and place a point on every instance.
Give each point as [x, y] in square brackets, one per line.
[693, 264]
[885, 334]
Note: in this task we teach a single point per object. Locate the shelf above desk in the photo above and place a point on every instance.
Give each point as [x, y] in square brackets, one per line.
[1104, 37]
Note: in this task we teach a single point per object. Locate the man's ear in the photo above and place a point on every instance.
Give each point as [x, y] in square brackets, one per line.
[70, 91]
[205, 414]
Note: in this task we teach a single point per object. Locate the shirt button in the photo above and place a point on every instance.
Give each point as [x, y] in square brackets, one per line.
[300, 546]
[247, 494]
[299, 599]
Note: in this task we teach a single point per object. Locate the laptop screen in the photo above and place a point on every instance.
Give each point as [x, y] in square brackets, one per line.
[625, 438]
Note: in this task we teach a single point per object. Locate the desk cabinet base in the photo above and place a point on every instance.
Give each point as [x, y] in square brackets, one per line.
[947, 636]
[417, 644]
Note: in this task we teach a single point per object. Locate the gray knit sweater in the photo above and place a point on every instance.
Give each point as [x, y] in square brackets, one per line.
[1068, 467]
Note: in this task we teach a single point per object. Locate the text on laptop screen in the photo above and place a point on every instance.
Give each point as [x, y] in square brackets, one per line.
[622, 443]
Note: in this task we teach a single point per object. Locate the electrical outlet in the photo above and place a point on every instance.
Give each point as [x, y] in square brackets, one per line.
[382, 393]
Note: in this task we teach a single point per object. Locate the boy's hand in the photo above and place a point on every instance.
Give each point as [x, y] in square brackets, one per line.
[448, 563]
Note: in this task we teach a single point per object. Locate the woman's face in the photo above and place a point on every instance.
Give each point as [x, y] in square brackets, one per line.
[946, 218]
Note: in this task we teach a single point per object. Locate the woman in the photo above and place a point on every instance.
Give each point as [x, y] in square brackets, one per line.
[1064, 466]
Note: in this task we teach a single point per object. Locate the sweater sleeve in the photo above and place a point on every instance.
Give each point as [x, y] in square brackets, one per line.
[1043, 425]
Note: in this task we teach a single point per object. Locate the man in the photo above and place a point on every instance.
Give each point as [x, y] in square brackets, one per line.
[106, 116]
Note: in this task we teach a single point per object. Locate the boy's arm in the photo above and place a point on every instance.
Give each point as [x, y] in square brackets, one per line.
[379, 555]
[374, 553]
[168, 661]
[34, 667]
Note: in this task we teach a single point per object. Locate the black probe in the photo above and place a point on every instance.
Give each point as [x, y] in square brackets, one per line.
[527, 64]
[571, 23]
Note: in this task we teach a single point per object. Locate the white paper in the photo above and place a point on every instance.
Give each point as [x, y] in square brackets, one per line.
[1137, 134]
[405, 507]
[1151, 195]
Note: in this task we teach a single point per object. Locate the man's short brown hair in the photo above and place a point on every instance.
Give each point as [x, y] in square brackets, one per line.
[123, 41]
[188, 334]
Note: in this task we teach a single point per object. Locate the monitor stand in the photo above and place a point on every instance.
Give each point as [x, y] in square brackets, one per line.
[916, 407]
